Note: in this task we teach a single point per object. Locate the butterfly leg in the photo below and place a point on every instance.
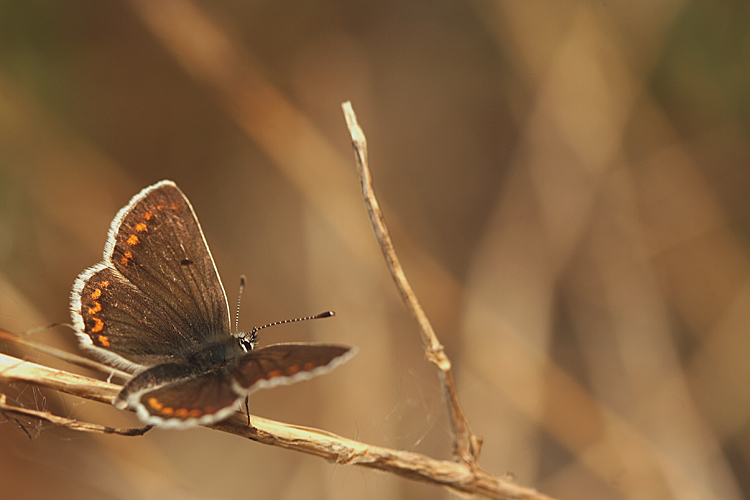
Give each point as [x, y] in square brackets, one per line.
[247, 411]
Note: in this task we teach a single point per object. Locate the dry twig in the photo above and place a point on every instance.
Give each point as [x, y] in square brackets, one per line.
[69, 422]
[451, 475]
[75, 359]
[466, 445]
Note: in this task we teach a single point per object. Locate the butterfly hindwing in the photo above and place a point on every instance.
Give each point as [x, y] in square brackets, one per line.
[201, 400]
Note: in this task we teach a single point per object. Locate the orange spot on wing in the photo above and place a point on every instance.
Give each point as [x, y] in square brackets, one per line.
[104, 284]
[103, 340]
[140, 227]
[97, 307]
[273, 374]
[310, 365]
[132, 240]
[195, 413]
[181, 413]
[96, 294]
[148, 215]
[126, 258]
[98, 326]
[155, 404]
[293, 369]
[167, 410]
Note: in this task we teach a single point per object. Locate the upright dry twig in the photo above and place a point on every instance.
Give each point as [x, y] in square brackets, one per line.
[466, 445]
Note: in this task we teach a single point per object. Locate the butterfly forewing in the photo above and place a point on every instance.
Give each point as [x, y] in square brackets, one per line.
[120, 320]
[286, 363]
[157, 293]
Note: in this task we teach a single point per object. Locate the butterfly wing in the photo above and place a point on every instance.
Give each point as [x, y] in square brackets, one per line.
[157, 293]
[281, 364]
[179, 396]
[200, 400]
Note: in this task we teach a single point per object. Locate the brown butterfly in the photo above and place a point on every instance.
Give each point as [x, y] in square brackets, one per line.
[155, 306]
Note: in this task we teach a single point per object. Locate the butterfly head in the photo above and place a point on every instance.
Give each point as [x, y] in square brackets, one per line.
[248, 340]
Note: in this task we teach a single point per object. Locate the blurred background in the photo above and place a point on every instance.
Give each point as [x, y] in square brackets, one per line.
[566, 183]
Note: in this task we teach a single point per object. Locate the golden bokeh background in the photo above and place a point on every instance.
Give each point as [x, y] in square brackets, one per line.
[567, 186]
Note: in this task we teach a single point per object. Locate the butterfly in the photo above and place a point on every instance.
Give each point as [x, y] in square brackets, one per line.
[156, 307]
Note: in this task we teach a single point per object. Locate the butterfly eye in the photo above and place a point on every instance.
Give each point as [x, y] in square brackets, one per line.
[247, 343]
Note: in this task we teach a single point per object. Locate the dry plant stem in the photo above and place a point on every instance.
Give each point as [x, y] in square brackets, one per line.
[17, 370]
[69, 422]
[451, 475]
[467, 445]
[7, 336]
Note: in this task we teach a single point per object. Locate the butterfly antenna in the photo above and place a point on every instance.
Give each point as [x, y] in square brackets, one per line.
[256, 329]
[239, 299]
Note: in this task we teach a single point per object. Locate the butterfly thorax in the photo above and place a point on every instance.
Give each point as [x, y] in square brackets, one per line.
[214, 355]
